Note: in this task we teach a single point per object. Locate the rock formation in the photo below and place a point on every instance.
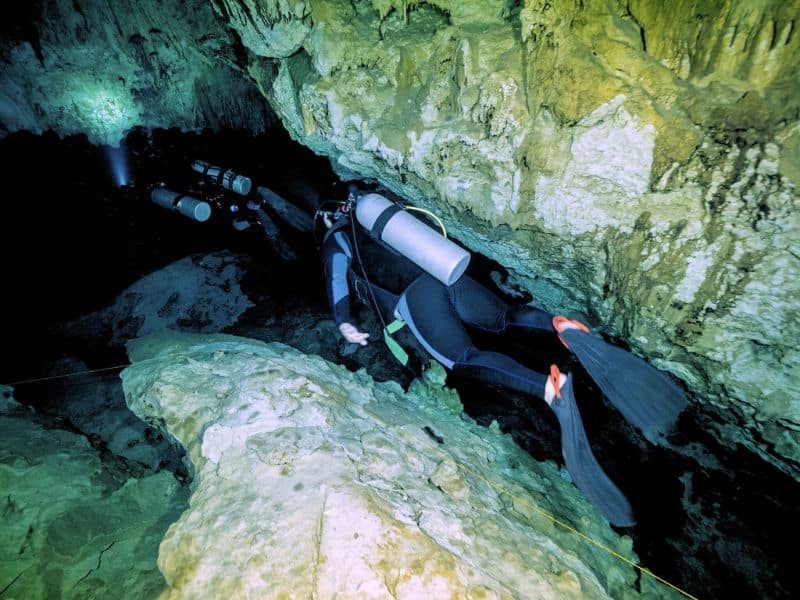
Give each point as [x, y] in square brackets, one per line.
[196, 293]
[647, 185]
[75, 524]
[310, 480]
[101, 69]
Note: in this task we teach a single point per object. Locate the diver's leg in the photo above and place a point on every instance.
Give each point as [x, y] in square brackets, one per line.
[646, 397]
[496, 368]
[530, 318]
[479, 307]
[425, 306]
[428, 308]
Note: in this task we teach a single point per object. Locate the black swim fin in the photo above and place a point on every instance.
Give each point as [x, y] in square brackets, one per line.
[645, 396]
[587, 474]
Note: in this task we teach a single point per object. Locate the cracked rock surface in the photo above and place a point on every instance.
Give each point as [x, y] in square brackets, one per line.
[635, 163]
[312, 481]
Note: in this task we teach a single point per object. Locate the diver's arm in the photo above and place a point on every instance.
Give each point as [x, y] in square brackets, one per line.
[336, 256]
[337, 263]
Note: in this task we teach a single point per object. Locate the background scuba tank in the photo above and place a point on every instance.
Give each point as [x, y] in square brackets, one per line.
[192, 208]
[404, 233]
[228, 179]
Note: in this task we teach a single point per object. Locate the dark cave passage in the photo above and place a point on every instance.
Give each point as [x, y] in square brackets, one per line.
[712, 520]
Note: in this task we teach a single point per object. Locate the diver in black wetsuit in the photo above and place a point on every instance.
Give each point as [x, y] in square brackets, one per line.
[436, 314]
[438, 309]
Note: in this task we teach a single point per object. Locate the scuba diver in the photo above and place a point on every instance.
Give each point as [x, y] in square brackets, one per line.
[229, 195]
[426, 288]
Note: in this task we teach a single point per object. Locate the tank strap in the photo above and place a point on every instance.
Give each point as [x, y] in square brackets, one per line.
[383, 219]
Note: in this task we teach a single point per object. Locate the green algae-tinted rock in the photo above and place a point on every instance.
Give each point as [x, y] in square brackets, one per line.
[103, 68]
[634, 166]
[74, 526]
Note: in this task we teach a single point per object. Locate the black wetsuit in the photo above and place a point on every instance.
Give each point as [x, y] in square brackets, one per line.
[436, 314]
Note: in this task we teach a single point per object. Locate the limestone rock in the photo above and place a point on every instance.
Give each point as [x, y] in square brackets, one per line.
[632, 164]
[74, 525]
[195, 293]
[310, 480]
[103, 68]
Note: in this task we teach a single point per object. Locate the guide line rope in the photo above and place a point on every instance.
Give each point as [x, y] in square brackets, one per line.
[501, 490]
[38, 379]
[416, 442]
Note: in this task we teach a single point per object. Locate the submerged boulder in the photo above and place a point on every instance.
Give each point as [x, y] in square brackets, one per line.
[310, 480]
[195, 293]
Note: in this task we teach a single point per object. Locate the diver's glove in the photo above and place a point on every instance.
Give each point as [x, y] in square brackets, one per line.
[351, 333]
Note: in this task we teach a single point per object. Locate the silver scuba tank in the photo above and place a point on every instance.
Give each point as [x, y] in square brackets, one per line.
[409, 236]
[228, 179]
[181, 203]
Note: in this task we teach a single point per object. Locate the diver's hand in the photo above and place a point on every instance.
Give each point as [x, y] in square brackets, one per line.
[352, 334]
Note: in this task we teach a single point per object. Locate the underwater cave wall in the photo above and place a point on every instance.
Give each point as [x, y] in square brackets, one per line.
[101, 68]
[632, 163]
